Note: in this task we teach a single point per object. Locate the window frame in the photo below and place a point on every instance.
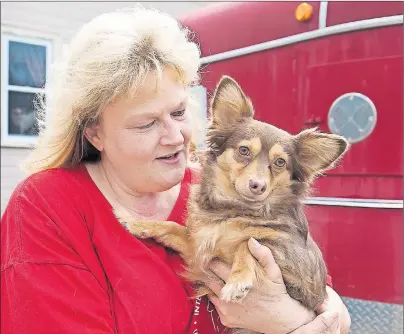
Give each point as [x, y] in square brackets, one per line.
[8, 140]
[199, 110]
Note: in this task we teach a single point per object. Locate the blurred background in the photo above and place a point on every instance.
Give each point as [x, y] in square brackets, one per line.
[337, 65]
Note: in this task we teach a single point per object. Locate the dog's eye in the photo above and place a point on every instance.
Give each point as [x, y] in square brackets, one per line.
[243, 150]
[280, 162]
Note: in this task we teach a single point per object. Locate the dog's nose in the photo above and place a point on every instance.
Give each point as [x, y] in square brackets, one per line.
[257, 187]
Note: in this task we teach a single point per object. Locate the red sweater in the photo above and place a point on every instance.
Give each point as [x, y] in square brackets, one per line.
[68, 266]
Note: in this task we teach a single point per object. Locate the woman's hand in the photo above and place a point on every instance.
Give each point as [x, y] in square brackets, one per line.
[275, 311]
[334, 304]
[333, 318]
[326, 323]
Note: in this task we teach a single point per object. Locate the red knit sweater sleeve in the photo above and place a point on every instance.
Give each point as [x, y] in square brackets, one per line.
[46, 283]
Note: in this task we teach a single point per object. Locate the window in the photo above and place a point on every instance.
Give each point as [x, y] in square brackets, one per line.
[24, 69]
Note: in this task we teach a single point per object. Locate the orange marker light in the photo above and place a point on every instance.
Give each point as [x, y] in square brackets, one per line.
[304, 12]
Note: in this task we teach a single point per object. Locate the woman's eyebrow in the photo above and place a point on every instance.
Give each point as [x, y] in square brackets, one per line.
[154, 112]
[182, 104]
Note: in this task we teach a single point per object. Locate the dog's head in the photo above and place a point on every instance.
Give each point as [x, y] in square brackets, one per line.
[252, 161]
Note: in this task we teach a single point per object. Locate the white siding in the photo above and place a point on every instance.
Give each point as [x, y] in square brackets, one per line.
[56, 21]
[64, 18]
[10, 173]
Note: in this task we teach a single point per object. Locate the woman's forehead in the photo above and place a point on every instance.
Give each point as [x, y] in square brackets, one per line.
[153, 97]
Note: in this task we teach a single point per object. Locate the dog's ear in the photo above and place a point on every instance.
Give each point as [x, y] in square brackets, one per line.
[229, 103]
[317, 152]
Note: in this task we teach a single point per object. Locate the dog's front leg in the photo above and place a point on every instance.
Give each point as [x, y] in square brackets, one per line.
[242, 275]
[170, 234]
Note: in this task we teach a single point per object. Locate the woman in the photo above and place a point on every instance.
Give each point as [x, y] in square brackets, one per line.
[118, 133]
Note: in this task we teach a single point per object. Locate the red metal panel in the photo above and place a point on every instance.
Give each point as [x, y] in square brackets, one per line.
[371, 63]
[360, 186]
[231, 26]
[363, 249]
[294, 84]
[348, 11]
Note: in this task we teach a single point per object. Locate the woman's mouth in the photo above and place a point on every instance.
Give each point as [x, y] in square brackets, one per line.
[170, 158]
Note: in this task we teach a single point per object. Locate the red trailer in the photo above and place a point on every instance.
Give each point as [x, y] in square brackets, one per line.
[338, 66]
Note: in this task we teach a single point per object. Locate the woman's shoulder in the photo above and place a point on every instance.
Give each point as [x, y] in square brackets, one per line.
[52, 178]
[47, 210]
[54, 185]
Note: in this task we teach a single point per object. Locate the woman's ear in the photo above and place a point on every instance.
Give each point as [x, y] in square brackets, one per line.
[93, 135]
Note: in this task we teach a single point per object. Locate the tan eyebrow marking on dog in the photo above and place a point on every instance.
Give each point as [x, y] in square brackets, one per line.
[227, 162]
[277, 151]
[226, 157]
[253, 144]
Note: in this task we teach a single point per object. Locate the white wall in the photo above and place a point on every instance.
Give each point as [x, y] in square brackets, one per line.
[64, 18]
[57, 21]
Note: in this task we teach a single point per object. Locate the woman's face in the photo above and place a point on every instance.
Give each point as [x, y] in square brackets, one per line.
[145, 140]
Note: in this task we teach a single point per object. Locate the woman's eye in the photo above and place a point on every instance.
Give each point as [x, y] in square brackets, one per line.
[178, 113]
[146, 126]
[280, 162]
[243, 150]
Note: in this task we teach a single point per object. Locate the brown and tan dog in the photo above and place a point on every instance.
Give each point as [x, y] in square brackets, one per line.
[254, 177]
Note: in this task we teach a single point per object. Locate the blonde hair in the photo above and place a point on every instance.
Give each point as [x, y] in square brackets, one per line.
[110, 57]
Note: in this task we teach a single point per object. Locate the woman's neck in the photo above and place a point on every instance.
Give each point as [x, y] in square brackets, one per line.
[148, 206]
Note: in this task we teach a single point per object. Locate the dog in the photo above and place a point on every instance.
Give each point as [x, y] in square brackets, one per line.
[253, 180]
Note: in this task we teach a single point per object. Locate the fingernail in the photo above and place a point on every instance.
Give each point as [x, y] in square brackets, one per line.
[213, 264]
[254, 242]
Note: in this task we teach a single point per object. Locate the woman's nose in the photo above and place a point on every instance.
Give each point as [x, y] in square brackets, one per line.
[172, 135]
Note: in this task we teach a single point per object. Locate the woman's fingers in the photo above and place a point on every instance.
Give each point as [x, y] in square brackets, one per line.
[325, 323]
[220, 269]
[223, 312]
[215, 300]
[215, 286]
[322, 308]
[266, 260]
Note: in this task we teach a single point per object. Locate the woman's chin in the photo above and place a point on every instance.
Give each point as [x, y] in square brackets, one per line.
[172, 178]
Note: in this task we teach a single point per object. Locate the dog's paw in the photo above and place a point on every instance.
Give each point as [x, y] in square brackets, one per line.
[139, 229]
[236, 291]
